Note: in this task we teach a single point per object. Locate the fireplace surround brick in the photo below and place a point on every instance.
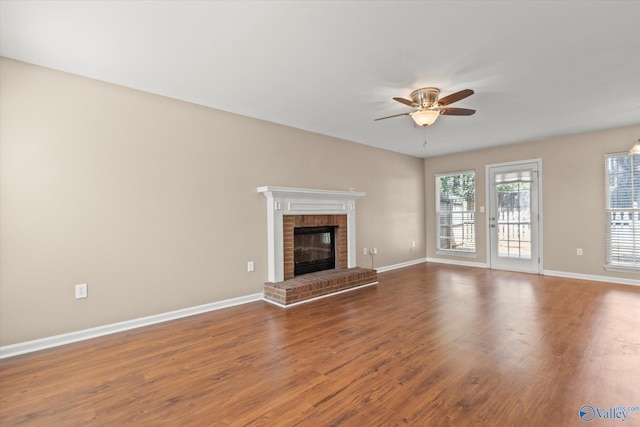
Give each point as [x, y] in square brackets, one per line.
[289, 222]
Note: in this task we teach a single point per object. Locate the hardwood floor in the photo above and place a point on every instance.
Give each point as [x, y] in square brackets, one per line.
[431, 345]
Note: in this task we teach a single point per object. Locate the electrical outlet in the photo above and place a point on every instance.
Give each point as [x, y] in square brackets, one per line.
[579, 251]
[375, 251]
[366, 252]
[81, 291]
[413, 244]
[250, 266]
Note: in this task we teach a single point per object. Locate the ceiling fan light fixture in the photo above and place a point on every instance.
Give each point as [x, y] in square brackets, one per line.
[635, 150]
[425, 117]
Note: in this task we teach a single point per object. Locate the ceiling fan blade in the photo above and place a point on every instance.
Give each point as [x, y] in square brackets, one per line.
[454, 97]
[405, 101]
[388, 117]
[449, 111]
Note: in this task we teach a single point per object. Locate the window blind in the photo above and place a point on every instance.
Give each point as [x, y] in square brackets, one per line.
[622, 220]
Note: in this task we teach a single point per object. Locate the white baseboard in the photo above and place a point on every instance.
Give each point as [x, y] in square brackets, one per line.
[401, 265]
[85, 334]
[566, 274]
[458, 262]
[320, 297]
[591, 277]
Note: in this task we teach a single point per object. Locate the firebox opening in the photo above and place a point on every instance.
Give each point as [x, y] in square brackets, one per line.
[314, 249]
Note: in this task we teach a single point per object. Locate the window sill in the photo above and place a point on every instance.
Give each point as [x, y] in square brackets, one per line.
[610, 267]
[457, 253]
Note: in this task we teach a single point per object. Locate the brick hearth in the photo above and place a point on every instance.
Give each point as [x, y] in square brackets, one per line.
[313, 285]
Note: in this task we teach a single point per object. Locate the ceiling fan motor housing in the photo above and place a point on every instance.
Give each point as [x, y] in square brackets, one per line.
[426, 97]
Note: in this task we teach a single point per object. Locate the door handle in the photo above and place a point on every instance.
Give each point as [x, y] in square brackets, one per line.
[493, 226]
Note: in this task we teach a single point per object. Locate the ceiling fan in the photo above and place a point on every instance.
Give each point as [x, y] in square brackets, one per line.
[430, 107]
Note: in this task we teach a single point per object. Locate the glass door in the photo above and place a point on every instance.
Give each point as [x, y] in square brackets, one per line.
[514, 217]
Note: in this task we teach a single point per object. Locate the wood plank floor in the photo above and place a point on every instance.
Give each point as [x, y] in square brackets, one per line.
[431, 345]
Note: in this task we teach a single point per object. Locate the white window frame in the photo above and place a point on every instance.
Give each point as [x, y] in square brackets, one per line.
[453, 251]
[615, 218]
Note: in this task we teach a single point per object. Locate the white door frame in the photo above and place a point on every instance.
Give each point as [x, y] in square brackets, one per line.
[540, 233]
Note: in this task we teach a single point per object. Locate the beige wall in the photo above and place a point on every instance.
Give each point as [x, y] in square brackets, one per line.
[153, 202]
[573, 195]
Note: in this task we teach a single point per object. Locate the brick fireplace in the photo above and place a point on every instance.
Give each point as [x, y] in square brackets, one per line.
[288, 208]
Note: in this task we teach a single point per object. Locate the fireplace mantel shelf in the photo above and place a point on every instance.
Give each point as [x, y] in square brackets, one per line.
[290, 192]
[301, 201]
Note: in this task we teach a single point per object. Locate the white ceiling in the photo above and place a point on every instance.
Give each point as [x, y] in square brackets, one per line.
[539, 68]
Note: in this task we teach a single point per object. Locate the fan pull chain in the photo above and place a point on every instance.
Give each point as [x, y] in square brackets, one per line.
[424, 146]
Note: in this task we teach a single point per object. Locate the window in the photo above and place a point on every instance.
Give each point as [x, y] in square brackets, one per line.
[513, 194]
[456, 212]
[622, 189]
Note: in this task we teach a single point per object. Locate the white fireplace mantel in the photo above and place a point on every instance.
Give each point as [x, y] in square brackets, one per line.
[301, 201]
